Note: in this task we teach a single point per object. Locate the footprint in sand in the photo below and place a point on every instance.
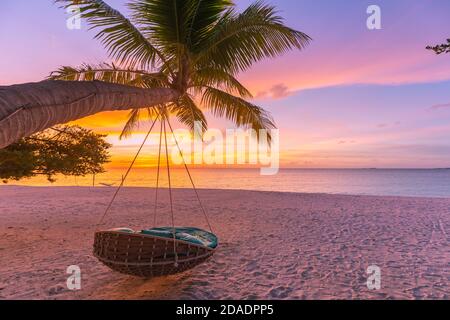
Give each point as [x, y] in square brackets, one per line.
[56, 290]
[251, 266]
[280, 292]
[307, 272]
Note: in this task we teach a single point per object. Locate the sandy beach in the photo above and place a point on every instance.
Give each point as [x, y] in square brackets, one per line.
[272, 245]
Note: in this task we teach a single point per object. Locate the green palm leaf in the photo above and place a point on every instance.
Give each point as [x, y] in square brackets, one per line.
[134, 117]
[175, 23]
[131, 124]
[110, 73]
[240, 40]
[187, 113]
[124, 41]
[161, 21]
[241, 112]
[221, 80]
[201, 19]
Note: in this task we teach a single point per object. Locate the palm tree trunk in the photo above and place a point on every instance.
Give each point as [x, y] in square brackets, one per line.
[32, 107]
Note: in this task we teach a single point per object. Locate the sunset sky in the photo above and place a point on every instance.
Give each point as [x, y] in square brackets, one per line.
[353, 98]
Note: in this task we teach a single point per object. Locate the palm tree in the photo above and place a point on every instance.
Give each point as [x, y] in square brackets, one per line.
[171, 54]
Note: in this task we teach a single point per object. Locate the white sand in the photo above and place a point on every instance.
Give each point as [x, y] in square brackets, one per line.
[272, 245]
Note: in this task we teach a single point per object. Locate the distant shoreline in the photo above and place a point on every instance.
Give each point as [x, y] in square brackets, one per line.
[113, 188]
[429, 183]
[284, 168]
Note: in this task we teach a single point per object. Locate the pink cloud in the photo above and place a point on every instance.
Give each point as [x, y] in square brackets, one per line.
[378, 62]
[277, 91]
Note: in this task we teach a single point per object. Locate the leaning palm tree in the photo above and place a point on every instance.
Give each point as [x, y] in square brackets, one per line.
[174, 55]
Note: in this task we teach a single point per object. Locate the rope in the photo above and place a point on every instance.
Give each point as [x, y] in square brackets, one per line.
[170, 194]
[190, 178]
[128, 171]
[157, 174]
[164, 118]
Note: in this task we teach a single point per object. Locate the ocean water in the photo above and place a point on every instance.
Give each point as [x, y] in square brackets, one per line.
[394, 182]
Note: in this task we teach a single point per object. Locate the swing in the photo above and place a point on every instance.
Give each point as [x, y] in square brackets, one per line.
[156, 251]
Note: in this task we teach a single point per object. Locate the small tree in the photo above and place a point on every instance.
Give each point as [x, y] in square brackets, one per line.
[67, 150]
[441, 48]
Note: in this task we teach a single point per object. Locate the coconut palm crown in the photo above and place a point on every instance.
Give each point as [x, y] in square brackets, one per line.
[196, 47]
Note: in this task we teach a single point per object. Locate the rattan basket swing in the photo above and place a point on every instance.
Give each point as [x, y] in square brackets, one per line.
[147, 255]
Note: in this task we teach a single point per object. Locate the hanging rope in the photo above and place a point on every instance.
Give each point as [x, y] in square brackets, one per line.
[162, 115]
[157, 174]
[170, 193]
[128, 171]
[190, 178]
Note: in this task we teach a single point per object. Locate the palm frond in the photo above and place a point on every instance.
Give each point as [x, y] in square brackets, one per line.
[178, 26]
[161, 21]
[124, 41]
[241, 112]
[187, 113]
[110, 73]
[201, 17]
[134, 117]
[240, 40]
[132, 123]
[220, 79]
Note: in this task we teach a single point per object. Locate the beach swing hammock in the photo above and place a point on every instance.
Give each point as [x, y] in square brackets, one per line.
[156, 251]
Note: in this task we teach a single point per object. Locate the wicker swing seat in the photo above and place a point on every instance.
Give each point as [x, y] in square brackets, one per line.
[152, 255]
[146, 255]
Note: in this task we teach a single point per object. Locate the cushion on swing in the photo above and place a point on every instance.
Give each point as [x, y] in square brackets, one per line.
[189, 234]
[127, 230]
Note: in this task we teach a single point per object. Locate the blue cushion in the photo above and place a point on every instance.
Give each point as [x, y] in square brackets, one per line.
[189, 234]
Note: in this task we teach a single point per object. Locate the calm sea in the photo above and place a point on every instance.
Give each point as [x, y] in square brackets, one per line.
[400, 182]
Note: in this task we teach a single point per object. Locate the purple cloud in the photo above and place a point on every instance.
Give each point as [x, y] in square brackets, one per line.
[440, 106]
[385, 125]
